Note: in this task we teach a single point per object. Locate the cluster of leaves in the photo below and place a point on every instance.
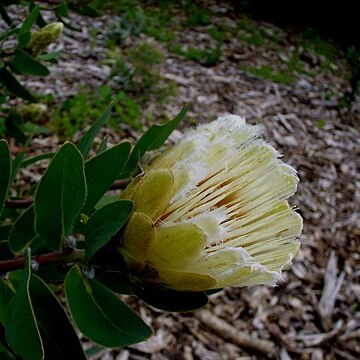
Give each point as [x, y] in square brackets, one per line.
[19, 59]
[61, 241]
[23, 52]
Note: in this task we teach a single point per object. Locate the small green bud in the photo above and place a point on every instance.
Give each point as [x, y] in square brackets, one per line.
[32, 112]
[42, 38]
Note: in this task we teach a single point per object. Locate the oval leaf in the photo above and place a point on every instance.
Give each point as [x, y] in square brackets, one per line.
[100, 314]
[30, 20]
[172, 300]
[104, 224]
[60, 196]
[13, 85]
[54, 325]
[85, 143]
[5, 171]
[152, 140]
[22, 332]
[102, 170]
[26, 64]
[23, 233]
[6, 294]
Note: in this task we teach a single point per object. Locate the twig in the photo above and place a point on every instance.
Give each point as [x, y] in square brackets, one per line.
[18, 203]
[232, 334]
[42, 259]
[120, 184]
[25, 203]
[332, 285]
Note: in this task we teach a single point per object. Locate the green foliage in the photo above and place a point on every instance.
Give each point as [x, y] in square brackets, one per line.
[136, 69]
[153, 139]
[73, 215]
[132, 23]
[23, 233]
[22, 331]
[5, 171]
[254, 34]
[114, 159]
[197, 15]
[266, 72]
[207, 56]
[112, 323]
[60, 196]
[104, 223]
[325, 48]
[23, 51]
[84, 108]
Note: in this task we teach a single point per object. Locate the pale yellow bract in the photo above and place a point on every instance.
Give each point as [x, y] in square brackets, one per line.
[212, 211]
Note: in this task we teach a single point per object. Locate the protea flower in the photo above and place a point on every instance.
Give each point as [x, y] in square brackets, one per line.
[212, 211]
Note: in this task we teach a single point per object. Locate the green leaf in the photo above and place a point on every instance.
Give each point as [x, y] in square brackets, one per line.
[26, 64]
[22, 332]
[172, 300]
[16, 164]
[23, 233]
[102, 170]
[5, 252]
[87, 11]
[153, 139]
[58, 335]
[104, 224]
[100, 315]
[33, 159]
[30, 20]
[5, 351]
[6, 295]
[13, 85]
[49, 56]
[5, 15]
[23, 39]
[105, 200]
[62, 9]
[213, 291]
[60, 196]
[103, 146]
[5, 171]
[115, 281]
[85, 143]
[5, 231]
[8, 33]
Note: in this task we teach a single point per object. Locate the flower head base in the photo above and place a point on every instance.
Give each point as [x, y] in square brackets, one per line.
[212, 210]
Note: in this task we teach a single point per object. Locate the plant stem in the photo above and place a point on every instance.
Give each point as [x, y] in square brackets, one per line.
[18, 203]
[43, 259]
[25, 203]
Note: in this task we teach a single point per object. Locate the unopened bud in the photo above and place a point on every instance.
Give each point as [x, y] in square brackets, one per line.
[32, 112]
[42, 38]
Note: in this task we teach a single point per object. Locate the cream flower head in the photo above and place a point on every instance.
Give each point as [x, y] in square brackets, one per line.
[212, 211]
